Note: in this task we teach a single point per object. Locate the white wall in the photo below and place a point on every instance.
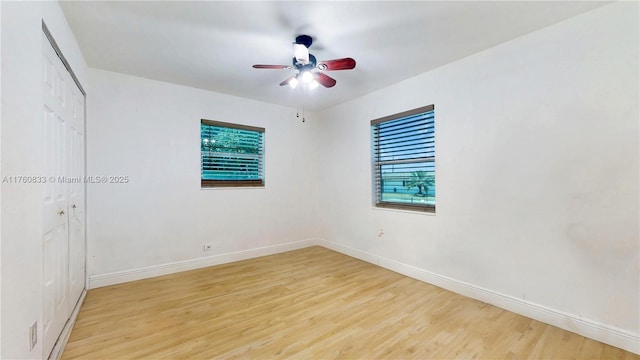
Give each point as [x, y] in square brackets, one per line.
[159, 221]
[21, 283]
[537, 179]
[537, 174]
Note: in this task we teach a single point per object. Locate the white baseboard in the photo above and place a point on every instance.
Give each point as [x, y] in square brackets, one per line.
[119, 277]
[607, 334]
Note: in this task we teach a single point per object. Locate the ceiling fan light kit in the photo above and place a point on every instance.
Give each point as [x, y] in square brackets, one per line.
[306, 77]
[309, 72]
[293, 82]
[308, 69]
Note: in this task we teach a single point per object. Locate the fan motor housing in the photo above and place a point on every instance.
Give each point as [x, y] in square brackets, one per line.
[305, 40]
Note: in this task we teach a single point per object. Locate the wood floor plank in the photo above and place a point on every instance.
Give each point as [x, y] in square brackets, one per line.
[311, 303]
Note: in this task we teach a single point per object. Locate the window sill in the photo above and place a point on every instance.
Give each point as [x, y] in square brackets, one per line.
[415, 212]
[231, 187]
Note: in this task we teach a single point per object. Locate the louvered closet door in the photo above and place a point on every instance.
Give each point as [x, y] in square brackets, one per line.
[63, 199]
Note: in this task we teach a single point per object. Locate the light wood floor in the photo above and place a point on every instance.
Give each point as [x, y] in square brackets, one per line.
[308, 304]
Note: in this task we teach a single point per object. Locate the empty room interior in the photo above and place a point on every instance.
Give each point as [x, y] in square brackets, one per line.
[320, 179]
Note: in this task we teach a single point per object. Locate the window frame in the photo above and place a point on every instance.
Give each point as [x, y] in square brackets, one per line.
[376, 163]
[209, 183]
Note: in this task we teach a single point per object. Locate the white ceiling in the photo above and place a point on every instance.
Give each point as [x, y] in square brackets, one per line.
[212, 44]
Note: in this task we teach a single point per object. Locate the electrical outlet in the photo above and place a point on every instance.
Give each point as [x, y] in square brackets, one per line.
[33, 335]
[381, 232]
[207, 247]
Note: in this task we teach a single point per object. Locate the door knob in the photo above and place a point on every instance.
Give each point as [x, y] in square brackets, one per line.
[74, 206]
[61, 212]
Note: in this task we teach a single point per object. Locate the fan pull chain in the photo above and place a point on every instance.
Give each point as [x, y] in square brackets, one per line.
[298, 101]
[300, 104]
[304, 90]
[297, 109]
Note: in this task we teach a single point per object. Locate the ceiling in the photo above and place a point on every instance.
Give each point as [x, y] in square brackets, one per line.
[213, 44]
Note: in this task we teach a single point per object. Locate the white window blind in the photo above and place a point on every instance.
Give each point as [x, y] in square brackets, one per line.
[404, 169]
[231, 154]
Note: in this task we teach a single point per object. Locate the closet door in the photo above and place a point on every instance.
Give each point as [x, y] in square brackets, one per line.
[76, 192]
[63, 196]
[55, 213]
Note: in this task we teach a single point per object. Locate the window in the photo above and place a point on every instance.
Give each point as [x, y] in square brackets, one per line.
[404, 171]
[231, 155]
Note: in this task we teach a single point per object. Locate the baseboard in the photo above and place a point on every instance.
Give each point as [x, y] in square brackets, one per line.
[119, 277]
[607, 334]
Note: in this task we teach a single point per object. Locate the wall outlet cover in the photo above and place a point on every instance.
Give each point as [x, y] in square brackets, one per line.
[33, 335]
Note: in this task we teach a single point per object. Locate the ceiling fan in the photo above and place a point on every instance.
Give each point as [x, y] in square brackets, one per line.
[308, 69]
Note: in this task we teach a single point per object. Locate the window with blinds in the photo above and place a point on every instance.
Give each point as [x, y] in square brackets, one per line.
[231, 155]
[404, 168]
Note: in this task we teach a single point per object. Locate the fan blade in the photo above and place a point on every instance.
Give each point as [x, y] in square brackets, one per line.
[324, 80]
[271, 66]
[337, 64]
[286, 81]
